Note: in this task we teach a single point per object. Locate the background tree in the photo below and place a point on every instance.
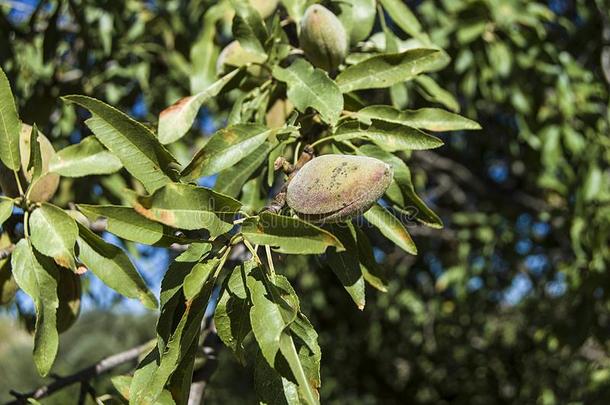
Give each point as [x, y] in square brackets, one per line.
[499, 302]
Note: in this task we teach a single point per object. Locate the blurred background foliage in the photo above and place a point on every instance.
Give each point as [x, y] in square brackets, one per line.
[509, 303]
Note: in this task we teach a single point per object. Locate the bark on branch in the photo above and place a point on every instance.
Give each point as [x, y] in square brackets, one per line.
[102, 367]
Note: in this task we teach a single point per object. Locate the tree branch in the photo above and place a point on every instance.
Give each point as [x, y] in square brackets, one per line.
[103, 366]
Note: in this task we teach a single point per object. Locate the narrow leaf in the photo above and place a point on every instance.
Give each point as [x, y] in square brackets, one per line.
[134, 144]
[10, 125]
[226, 148]
[38, 278]
[232, 314]
[383, 71]
[391, 228]
[53, 233]
[248, 27]
[289, 235]
[389, 136]
[185, 206]
[126, 223]
[230, 181]
[35, 165]
[410, 202]
[111, 265]
[89, 157]
[6, 209]
[346, 265]
[311, 87]
[432, 119]
[265, 317]
[176, 120]
[433, 92]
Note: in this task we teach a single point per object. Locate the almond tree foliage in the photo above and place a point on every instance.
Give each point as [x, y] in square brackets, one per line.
[518, 67]
[281, 106]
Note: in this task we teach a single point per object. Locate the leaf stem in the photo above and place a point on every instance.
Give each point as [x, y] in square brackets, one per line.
[19, 186]
[26, 220]
[270, 261]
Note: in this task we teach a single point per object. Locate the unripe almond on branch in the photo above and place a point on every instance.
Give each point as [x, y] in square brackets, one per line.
[323, 38]
[335, 188]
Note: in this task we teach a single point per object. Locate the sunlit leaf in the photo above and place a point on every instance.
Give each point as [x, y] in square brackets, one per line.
[391, 228]
[311, 87]
[176, 120]
[432, 119]
[53, 233]
[185, 206]
[389, 136]
[9, 126]
[134, 144]
[126, 223]
[388, 69]
[225, 148]
[38, 278]
[288, 235]
[89, 157]
[6, 209]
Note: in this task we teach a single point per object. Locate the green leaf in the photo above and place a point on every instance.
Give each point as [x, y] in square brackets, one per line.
[389, 136]
[385, 70]
[230, 181]
[248, 27]
[225, 148]
[122, 384]
[346, 265]
[402, 178]
[371, 271]
[89, 157]
[289, 235]
[175, 338]
[134, 144]
[111, 265]
[232, 314]
[6, 209]
[295, 9]
[38, 278]
[35, 164]
[311, 87]
[289, 351]
[185, 206]
[176, 120]
[200, 273]
[268, 315]
[391, 228]
[404, 18]
[126, 223]
[432, 119]
[204, 52]
[53, 233]
[431, 91]
[10, 126]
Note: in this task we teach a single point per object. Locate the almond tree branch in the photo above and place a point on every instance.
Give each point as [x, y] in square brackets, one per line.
[102, 367]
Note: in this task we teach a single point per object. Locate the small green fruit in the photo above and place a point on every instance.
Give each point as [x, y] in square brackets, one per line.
[358, 18]
[233, 55]
[323, 38]
[335, 188]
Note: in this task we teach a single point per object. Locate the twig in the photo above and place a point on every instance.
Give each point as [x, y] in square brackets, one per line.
[83, 376]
